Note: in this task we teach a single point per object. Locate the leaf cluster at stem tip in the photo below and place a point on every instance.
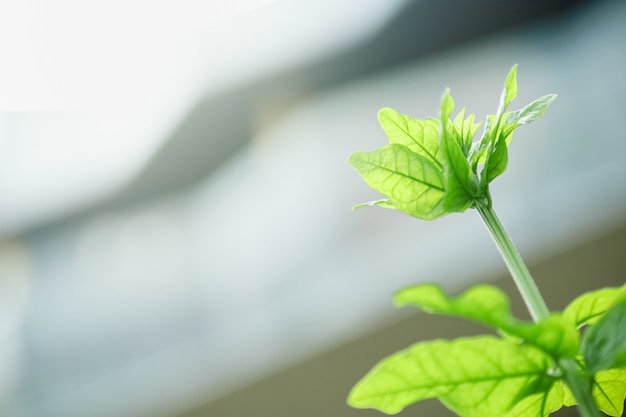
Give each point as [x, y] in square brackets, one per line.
[434, 167]
[518, 374]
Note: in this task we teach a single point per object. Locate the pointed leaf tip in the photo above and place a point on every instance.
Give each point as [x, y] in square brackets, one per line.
[447, 106]
[510, 87]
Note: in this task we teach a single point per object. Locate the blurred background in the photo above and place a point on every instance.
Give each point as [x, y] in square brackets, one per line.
[175, 222]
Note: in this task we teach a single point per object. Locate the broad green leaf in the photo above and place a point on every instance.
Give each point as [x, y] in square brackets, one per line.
[384, 202]
[589, 307]
[604, 344]
[488, 305]
[410, 181]
[510, 89]
[474, 377]
[420, 136]
[609, 391]
[531, 112]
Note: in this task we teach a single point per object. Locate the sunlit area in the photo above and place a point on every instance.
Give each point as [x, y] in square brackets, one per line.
[176, 231]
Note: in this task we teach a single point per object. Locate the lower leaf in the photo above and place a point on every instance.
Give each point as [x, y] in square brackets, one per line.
[488, 305]
[474, 377]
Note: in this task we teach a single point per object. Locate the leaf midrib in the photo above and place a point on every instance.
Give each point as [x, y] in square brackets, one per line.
[456, 384]
[404, 175]
[431, 157]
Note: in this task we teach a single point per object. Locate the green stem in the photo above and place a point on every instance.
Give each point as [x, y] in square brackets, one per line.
[579, 383]
[524, 281]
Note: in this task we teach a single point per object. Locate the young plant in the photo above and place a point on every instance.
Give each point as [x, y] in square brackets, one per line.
[432, 168]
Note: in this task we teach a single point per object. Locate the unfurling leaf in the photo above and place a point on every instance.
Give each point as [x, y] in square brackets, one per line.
[410, 181]
[474, 377]
[444, 147]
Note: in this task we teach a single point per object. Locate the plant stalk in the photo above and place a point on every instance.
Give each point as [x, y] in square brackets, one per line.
[524, 281]
[579, 383]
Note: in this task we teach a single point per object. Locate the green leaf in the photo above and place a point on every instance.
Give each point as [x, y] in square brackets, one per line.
[492, 150]
[447, 107]
[420, 136]
[604, 344]
[474, 377]
[497, 162]
[465, 129]
[479, 151]
[456, 129]
[510, 89]
[589, 307]
[609, 391]
[507, 130]
[503, 124]
[531, 112]
[457, 176]
[410, 181]
[488, 305]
